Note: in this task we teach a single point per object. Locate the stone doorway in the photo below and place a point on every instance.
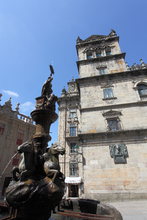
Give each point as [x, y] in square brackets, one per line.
[73, 190]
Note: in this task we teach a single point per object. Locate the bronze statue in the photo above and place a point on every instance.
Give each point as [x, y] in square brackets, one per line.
[38, 184]
[51, 157]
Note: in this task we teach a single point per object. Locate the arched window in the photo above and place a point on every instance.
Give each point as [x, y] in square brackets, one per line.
[142, 89]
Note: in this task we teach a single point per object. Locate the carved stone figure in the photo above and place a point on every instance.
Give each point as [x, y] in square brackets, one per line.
[119, 152]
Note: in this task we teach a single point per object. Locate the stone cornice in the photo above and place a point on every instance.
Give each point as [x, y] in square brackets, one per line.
[111, 76]
[98, 40]
[108, 137]
[68, 98]
[115, 106]
[72, 138]
[102, 58]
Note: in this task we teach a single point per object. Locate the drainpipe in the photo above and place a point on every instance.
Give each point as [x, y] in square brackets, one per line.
[65, 125]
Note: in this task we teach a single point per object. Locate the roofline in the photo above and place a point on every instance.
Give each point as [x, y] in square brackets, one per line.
[108, 38]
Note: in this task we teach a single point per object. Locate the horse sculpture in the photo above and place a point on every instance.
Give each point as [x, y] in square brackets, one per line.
[31, 161]
[26, 166]
[51, 158]
[37, 174]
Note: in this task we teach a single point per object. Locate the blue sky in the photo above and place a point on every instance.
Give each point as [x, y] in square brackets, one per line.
[36, 33]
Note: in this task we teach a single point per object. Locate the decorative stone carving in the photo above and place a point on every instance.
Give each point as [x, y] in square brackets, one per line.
[119, 152]
[112, 113]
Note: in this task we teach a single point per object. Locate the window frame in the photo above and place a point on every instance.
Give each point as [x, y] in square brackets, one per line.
[72, 130]
[108, 95]
[74, 148]
[98, 53]
[89, 55]
[140, 90]
[108, 51]
[73, 169]
[72, 113]
[117, 125]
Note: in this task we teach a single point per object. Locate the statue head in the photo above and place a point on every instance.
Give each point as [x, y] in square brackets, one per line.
[57, 149]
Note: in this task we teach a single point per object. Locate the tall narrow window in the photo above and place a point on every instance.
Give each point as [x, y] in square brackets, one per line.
[108, 51]
[142, 89]
[73, 168]
[113, 124]
[73, 148]
[72, 130]
[108, 93]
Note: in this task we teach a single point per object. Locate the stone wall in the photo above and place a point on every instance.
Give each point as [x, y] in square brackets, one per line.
[115, 180]
[15, 132]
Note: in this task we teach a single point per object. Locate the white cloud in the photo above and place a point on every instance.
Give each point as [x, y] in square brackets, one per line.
[11, 93]
[27, 107]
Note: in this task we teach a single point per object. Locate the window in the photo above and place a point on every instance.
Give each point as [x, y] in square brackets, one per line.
[72, 130]
[102, 71]
[72, 113]
[113, 124]
[20, 137]
[89, 55]
[142, 89]
[2, 128]
[108, 93]
[108, 51]
[73, 169]
[74, 148]
[98, 53]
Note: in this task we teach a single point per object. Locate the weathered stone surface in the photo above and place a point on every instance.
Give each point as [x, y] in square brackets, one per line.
[102, 177]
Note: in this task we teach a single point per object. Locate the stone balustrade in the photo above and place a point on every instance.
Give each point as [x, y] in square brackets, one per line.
[25, 118]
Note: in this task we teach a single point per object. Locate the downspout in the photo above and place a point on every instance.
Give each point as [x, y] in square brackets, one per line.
[65, 125]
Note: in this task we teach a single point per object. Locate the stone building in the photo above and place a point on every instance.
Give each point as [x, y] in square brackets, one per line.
[15, 128]
[103, 123]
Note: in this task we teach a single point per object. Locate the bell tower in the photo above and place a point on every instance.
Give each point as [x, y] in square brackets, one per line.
[99, 55]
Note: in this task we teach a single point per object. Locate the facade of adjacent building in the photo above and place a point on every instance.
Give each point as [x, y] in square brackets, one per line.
[103, 123]
[15, 128]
